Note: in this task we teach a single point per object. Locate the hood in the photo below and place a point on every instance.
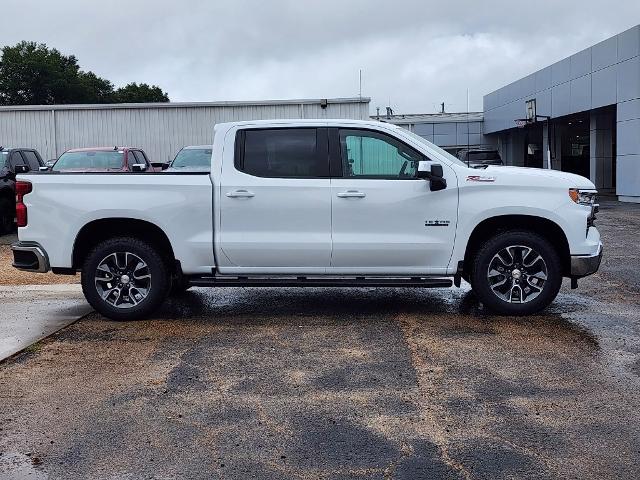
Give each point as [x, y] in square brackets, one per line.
[531, 176]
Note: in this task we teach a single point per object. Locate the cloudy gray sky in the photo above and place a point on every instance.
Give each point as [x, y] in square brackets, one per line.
[413, 53]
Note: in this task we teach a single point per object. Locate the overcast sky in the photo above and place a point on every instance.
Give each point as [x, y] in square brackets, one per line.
[414, 54]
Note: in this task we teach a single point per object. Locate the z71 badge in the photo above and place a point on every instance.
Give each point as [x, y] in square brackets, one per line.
[437, 223]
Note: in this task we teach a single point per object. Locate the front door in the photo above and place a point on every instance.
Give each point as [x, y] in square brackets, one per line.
[275, 203]
[384, 219]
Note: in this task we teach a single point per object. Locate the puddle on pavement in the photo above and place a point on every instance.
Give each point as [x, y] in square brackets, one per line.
[18, 466]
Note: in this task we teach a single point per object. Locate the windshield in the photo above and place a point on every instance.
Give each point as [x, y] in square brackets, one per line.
[432, 146]
[99, 160]
[192, 157]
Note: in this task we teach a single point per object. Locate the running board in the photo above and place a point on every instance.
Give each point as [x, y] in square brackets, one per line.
[224, 281]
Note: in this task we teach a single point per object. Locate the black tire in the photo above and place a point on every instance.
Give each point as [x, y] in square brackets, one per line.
[515, 279]
[155, 267]
[7, 214]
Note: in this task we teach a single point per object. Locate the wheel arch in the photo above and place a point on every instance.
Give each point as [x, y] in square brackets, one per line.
[103, 229]
[536, 224]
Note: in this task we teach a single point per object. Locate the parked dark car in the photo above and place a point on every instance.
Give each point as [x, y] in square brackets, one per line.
[105, 159]
[192, 158]
[480, 157]
[10, 158]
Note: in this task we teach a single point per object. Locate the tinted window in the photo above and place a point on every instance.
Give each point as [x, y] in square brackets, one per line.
[139, 157]
[375, 155]
[31, 159]
[284, 152]
[91, 160]
[4, 157]
[16, 159]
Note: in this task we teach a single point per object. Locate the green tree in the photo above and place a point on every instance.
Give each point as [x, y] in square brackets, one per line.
[140, 93]
[33, 74]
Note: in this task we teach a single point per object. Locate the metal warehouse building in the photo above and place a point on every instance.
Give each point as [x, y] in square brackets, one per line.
[161, 129]
[588, 108]
[451, 131]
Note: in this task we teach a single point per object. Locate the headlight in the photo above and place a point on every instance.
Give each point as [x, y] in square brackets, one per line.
[583, 197]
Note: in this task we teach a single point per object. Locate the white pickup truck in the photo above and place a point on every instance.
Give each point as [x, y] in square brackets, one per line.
[311, 203]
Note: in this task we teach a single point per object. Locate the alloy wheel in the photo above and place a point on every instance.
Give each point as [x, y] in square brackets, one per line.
[517, 274]
[123, 280]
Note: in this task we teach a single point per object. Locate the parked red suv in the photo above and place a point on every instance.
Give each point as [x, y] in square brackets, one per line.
[105, 159]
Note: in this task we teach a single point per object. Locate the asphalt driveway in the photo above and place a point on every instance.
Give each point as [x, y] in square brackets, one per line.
[340, 383]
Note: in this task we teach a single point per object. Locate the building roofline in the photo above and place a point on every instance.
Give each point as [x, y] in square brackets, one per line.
[239, 103]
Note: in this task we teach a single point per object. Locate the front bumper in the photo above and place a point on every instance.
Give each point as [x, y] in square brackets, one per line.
[583, 265]
[30, 256]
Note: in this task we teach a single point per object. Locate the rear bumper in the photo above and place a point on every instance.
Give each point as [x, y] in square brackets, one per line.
[30, 256]
[583, 265]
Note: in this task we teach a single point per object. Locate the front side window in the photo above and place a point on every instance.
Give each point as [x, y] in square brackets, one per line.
[90, 160]
[283, 153]
[15, 160]
[140, 157]
[32, 159]
[368, 154]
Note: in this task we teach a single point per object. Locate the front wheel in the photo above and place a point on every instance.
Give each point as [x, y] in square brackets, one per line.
[516, 273]
[125, 278]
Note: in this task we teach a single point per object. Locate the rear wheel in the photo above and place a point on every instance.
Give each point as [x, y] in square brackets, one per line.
[7, 214]
[516, 273]
[125, 278]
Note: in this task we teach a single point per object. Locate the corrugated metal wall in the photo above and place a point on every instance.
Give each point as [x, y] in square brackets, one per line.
[160, 129]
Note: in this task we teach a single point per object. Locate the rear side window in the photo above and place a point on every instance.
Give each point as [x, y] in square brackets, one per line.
[31, 159]
[283, 152]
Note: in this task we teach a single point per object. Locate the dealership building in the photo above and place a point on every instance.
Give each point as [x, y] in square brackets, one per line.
[578, 115]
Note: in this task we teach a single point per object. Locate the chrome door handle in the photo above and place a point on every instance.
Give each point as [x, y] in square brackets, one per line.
[352, 194]
[240, 194]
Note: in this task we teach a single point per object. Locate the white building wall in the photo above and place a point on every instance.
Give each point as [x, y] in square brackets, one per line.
[160, 129]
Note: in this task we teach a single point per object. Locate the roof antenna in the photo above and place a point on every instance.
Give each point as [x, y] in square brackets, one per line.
[115, 149]
[442, 105]
[389, 112]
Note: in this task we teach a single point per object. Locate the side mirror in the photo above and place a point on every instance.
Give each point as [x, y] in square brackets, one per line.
[50, 163]
[43, 169]
[139, 167]
[434, 173]
[22, 169]
[160, 165]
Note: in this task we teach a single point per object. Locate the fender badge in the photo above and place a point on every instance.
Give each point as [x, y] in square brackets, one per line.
[480, 178]
[437, 223]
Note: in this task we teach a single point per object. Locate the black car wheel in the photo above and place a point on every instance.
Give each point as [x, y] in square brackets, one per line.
[517, 273]
[125, 278]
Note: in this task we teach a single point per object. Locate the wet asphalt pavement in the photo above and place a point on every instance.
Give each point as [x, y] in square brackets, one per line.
[340, 383]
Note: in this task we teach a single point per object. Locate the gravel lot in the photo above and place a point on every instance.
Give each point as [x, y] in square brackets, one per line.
[341, 383]
[11, 276]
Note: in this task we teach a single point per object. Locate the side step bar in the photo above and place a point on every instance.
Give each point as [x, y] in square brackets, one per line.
[219, 281]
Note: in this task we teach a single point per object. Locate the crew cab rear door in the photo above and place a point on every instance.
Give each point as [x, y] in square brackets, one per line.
[275, 202]
[384, 219]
